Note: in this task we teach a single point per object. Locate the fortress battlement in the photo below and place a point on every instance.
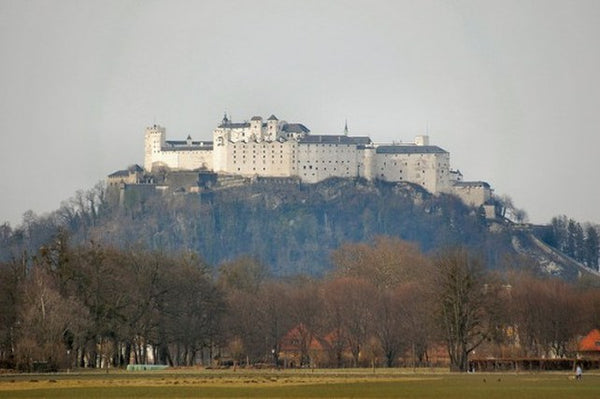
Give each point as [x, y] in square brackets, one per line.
[276, 148]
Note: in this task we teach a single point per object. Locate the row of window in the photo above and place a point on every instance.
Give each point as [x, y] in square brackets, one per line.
[317, 168]
[254, 169]
[254, 162]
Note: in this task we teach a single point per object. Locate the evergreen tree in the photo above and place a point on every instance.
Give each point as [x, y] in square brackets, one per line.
[580, 251]
[570, 245]
[591, 247]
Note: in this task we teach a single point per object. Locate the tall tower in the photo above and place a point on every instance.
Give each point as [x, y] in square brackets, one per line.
[154, 141]
[256, 127]
[272, 128]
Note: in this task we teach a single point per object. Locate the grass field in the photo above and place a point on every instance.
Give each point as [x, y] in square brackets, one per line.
[196, 383]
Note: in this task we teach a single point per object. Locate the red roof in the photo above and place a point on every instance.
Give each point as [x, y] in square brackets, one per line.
[591, 342]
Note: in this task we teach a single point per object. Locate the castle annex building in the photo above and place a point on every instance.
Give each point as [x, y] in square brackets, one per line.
[276, 148]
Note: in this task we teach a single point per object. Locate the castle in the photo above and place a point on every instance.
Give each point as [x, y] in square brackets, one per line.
[276, 148]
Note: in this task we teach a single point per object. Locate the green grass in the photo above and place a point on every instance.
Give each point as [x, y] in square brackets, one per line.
[299, 384]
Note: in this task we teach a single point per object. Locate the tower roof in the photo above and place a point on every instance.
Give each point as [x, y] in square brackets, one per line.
[272, 118]
[295, 128]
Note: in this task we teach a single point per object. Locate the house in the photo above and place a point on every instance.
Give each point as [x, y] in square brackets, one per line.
[589, 346]
[132, 175]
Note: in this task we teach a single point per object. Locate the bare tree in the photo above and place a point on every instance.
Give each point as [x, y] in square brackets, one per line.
[463, 302]
[354, 302]
[306, 304]
[387, 262]
[548, 315]
[49, 324]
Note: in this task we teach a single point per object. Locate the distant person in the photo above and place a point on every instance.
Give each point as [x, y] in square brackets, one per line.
[578, 372]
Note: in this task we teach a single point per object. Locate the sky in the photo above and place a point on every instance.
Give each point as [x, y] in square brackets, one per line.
[510, 88]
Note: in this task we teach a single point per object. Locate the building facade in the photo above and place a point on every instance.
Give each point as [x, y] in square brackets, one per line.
[275, 148]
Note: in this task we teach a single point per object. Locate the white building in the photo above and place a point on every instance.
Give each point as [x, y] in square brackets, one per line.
[275, 148]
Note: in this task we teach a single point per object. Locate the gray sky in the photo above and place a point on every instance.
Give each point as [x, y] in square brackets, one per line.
[510, 88]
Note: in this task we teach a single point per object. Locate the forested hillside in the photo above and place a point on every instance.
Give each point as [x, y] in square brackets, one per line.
[225, 275]
[291, 227]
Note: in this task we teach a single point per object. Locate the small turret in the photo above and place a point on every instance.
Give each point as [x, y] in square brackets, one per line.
[422, 140]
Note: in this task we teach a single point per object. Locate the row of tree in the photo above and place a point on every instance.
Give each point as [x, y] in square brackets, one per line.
[384, 303]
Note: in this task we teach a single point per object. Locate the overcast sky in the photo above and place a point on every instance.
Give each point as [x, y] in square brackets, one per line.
[510, 88]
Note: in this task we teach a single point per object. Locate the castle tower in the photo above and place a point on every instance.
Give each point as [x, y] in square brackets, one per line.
[154, 140]
[272, 128]
[256, 127]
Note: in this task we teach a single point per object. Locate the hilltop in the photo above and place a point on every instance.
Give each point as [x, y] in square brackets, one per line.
[290, 226]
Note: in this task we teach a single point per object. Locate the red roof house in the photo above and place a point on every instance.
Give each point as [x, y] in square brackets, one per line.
[589, 346]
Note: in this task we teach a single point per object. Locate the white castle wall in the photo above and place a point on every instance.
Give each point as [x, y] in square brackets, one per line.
[266, 148]
[318, 161]
[265, 158]
[429, 170]
[473, 193]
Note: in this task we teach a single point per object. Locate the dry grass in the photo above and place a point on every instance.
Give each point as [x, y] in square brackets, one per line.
[183, 383]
